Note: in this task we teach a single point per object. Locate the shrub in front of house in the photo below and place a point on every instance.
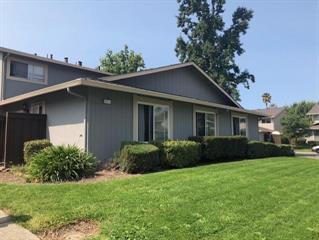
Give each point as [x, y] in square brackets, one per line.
[178, 154]
[125, 143]
[258, 149]
[287, 150]
[61, 163]
[139, 158]
[33, 147]
[217, 149]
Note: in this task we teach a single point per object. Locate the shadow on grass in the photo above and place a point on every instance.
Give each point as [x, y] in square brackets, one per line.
[20, 218]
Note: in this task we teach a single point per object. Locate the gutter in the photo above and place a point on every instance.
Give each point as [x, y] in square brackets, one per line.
[69, 91]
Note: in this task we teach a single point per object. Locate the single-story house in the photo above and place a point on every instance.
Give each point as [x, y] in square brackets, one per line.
[97, 111]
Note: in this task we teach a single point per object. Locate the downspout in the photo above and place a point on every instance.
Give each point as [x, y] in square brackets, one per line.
[69, 91]
[3, 75]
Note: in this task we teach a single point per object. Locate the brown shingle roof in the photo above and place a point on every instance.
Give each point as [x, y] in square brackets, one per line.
[314, 110]
[272, 111]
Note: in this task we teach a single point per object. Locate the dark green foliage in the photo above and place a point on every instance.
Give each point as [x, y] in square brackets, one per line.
[139, 158]
[61, 163]
[125, 143]
[125, 61]
[33, 147]
[180, 154]
[225, 148]
[284, 140]
[286, 150]
[295, 122]
[263, 149]
[196, 139]
[214, 47]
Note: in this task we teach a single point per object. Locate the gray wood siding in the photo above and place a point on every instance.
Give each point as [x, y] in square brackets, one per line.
[56, 74]
[187, 82]
[65, 117]
[109, 124]
[253, 127]
[224, 122]
[183, 120]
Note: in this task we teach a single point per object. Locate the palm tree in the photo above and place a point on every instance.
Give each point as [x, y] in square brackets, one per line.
[266, 98]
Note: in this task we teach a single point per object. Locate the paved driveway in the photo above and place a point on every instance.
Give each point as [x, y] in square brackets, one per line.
[307, 154]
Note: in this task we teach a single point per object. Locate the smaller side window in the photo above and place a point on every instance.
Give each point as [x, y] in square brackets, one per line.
[205, 124]
[18, 69]
[37, 108]
[266, 120]
[27, 71]
[239, 126]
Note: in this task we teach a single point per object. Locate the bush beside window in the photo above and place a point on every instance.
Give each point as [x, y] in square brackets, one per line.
[31, 148]
[224, 148]
[139, 158]
[61, 163]
[180, 154]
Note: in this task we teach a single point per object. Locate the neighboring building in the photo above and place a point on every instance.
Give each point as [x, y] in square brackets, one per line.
[314, 129]
[97, 111]
[270, 128]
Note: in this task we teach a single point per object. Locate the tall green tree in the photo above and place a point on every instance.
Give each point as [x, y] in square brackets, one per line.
[125, 61]
[214, 47]
[295, 122]
[266, 98]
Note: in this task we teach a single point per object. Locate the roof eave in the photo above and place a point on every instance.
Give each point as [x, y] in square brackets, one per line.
[53, 61]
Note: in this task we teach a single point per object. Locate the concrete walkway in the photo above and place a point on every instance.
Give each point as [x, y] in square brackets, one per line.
[11, 231]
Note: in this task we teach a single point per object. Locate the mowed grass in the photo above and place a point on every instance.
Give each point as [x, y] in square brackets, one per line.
[275, 198]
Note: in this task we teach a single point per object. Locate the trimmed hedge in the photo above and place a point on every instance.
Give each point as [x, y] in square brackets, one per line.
[139, 158]
[31, 148]
[217, 149]
[61, 163]
[262, 149]
[180, 154]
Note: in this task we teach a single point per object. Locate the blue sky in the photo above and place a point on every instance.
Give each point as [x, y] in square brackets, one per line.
[282, 44]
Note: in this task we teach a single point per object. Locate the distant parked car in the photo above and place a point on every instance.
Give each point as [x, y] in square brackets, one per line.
[316, 149]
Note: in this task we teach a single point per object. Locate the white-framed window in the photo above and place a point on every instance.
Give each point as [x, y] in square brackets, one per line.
[239, 126]
[266, 120]
[37, 108]
[21, 70]
[153, 122]
[205, 123]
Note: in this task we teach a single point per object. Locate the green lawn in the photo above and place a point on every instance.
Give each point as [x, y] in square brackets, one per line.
[276, 198]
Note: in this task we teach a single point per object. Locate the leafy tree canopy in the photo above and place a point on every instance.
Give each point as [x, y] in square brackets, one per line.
[125, 61]
[295, 122]
[206, 41]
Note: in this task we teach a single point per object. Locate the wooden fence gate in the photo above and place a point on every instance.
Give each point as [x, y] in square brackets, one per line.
[15, 129]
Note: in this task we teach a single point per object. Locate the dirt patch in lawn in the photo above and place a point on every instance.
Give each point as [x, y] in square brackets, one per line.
[105, 175]
[6, 176]
[76, 231]
[9, 176]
